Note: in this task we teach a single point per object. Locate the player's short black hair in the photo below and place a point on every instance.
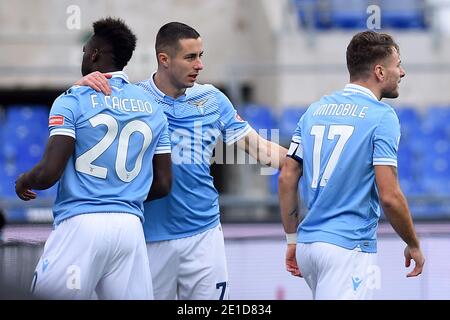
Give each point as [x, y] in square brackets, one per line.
[170, 33]
[366, 49]
[116, 34]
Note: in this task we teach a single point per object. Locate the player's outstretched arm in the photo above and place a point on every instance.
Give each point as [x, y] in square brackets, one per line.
[397, 212]
[97, 81]
[288, 180]
[162, 176]
[48, 171]
[264, 151]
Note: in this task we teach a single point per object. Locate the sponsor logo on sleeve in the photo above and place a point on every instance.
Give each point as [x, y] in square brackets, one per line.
[56, 121]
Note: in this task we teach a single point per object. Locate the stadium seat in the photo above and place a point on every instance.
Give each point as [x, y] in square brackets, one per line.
[313, 14]
[2, 139]
[436, 131]
[437, 118]
[438, 165]
[273, 183]
[402, 14]
[410, 122]
[25, 133]
[288, 122]
[412, 187]
[425, 137]
[29, 155]
[405, 159]
[436, 186]
[260, 117]
[407, 114]
[8, 176]
[23, 141]
[435, 169]
[352, 14]
[20, 114]
[348, 14]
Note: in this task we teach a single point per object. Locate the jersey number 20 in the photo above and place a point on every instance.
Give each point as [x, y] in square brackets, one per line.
[84, 162]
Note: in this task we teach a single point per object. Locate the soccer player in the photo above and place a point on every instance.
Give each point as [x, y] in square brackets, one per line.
[345, 150]
[183, 231]
[105, 150]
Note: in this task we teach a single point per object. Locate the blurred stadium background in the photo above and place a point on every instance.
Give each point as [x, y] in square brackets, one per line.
[272, 58]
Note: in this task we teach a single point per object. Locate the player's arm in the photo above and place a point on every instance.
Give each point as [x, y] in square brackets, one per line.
[397, 212]
[264, 151]
[162, 176]
[47, 172]
[246, 138]
[97, 81]
[288, 180]
[288, 194]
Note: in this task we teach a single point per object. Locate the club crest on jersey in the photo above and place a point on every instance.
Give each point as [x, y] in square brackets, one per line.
[200, 105]
[55, 121]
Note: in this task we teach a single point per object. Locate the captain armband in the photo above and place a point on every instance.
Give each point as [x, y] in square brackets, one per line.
[295, 151]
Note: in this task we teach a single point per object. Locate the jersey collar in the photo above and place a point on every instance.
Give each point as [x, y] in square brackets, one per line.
[154, 87]
[161, 94]
[119, 74]
[359, 89]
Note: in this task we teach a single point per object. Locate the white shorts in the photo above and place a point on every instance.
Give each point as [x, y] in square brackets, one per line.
[333, 272]
[101, 252]
[192, 268]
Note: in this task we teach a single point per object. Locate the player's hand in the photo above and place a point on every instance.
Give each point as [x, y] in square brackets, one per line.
[291, 261]
[22, 191]
[97, 81]
[417, 255]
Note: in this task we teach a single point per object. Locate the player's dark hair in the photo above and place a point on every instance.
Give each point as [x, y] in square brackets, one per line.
[170, 33]
[366, 49]
[121, 39]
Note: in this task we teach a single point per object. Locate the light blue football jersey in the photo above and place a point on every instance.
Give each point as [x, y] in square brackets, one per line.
[116, 137]
[340, 139]
[196, 120]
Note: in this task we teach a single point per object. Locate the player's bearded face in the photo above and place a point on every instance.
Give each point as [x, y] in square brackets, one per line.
[393, 73]
[186, 65]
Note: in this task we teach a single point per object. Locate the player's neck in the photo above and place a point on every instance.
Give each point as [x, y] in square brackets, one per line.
[372, 87]
[162, 82]
[105, 67]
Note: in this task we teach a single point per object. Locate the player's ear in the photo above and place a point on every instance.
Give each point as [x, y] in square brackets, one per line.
[379, 72]
[95, 55]
[163, 59]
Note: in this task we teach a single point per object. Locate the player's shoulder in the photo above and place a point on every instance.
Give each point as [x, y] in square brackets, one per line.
[332, 97]
[198, 90]
[389, 114]
[147, 96]
[383, 109]
[150, 89]
[145, 84]
[70, 95]
[378, 108]
[77, 90]
[137, 88]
